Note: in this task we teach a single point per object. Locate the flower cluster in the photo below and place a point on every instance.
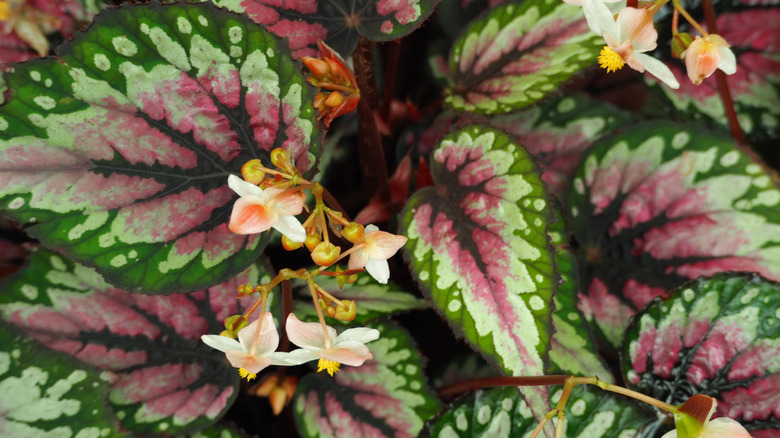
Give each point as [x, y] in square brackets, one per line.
[631, 35]
[338, 93]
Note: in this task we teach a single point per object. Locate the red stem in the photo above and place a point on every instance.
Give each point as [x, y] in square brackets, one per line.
[720, 78]
[489, 382]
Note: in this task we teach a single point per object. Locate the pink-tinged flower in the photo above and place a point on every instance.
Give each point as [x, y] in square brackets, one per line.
[373, 251]
[707, 54]
[348, 348]
[257, 210]
[692, 420]
[596, 13]
[628, 39]
[255, 348]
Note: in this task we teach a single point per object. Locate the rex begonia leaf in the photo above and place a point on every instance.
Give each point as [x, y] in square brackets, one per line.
[754, 35]
[164, 380]
[478, 248]
[502, 412]
[718, 336]
[386, 396]
[338, 23]
[118, 155]
[373, 299]
[662, 203]
[44, 393]
[572, 347]
[518, 53]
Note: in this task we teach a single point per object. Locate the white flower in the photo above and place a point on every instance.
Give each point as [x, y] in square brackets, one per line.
[705, 55]
[257, 210]
[373, 250]
[596, 13]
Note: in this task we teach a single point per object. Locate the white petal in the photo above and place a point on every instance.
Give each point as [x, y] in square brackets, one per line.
[728, 62]
[290, 227]
[295, 357]
[242, 187]
[658, 69]
[599, 18]
[370, 227]
[221, 343]
[269, 337]
[307, 335]
[378, 269]
[359, 334]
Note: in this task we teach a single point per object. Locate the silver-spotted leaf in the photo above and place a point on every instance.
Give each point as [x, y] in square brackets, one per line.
[386, 396]
[118, 154]
[164, 378]
[478, 248]
[718, 336]
[518, 53]
[754, 35]
[572, 347]
[502, 412]
[373, 299]
[337, 22]
[663, 203]
[44, 393]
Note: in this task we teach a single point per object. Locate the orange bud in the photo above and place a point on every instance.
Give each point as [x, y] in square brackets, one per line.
[325, 253]
[312, 240]
[252, 171]
[353, 232]
[317, 67]
[330, 311]
[277, 399]
[347, 311]
[280, 158]
[334, 99]
[289, 245]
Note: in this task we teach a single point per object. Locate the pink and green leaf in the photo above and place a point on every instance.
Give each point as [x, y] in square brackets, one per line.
[502, 413]
[663, 203]
[339, 24]
[718, 336]
[517, 54]
[386, 396]
[44, 393]
[478, 249]
[164, 380]
[118, 153]
[374, 300]
[754, 35]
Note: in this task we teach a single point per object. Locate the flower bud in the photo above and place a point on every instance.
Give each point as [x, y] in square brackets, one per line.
[680, 43]
[280, 158]
[330, 311]
[312, 240]
[347, 311]
[318, 68]
[289, 245]
[325, 253]
[334, 99]
[252, 171]
[353, 232]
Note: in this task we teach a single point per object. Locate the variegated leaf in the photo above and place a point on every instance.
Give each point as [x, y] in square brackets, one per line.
[373, 299]
[663, 203]
[754, 35]
[517, 54]
[386, 396]
[44, 393]
[338, 23]
[502, 412]
[572, 348]
[165, 379]
[118, 154]
[478, 248]
[718, 336]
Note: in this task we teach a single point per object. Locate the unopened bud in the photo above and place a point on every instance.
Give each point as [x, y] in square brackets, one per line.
[252, 171]
[347, 311]
[334, 99]
[277, 399]
[680, 43]
[353, 232]
[325, 253]
[280, 158]
[289, 245]
[312, 240]
[330, 311]
[318, 68]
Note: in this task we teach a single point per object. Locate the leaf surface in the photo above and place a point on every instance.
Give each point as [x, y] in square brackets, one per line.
[518, 53]
[164, 378]
[718, 336]
[44, 393]
[478, 249]
[660, 204]
[118, 156]
[386, 396]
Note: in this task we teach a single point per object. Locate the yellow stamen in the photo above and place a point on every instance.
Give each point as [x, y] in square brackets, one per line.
[246, 374]
[5, 11]
[610, 60]
[328, 365]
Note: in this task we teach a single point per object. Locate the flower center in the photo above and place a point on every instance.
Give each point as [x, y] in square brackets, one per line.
[330, 366]
[610, 60]
[246, 374]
